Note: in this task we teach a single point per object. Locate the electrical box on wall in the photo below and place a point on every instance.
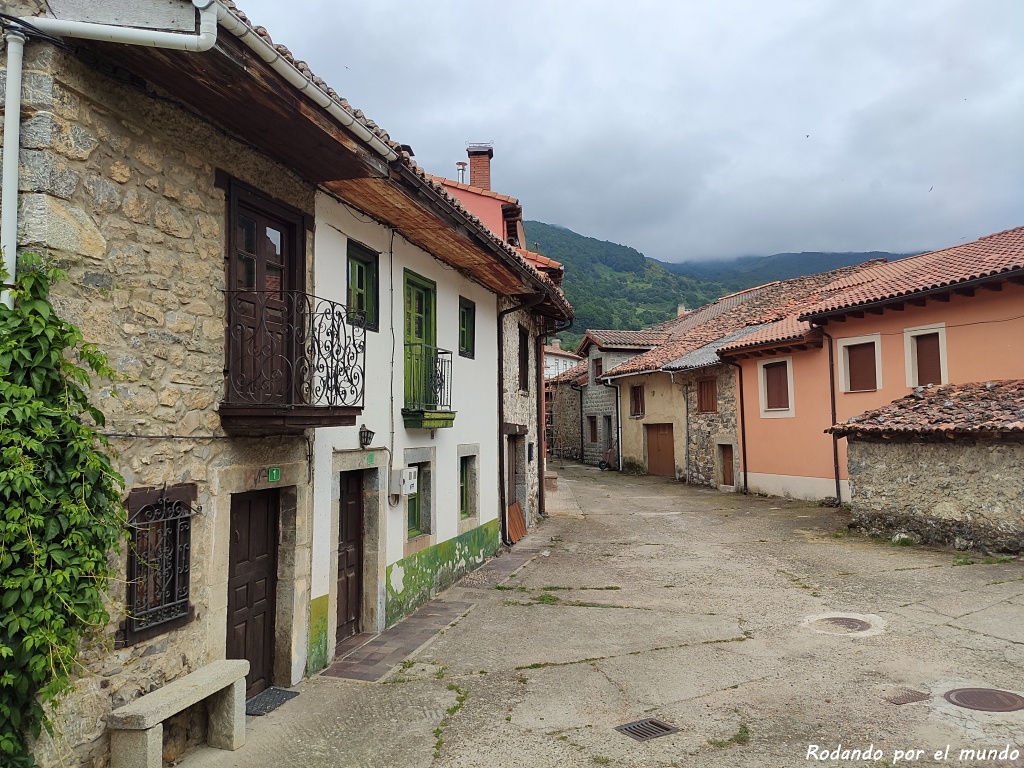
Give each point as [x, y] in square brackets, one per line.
[404, 481]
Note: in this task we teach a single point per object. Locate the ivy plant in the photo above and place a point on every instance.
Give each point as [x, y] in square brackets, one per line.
[61, 514]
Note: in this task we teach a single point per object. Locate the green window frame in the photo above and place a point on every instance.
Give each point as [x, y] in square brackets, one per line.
[464, 466]
[415, 511]
[467, 328]
[363, 282]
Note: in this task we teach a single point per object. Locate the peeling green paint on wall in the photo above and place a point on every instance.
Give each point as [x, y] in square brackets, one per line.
[318, 645]
[417, 578]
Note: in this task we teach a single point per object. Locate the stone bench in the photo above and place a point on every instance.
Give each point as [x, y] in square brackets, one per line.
[137, 731]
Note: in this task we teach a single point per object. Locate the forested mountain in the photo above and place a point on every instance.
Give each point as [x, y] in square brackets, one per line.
[615, 286]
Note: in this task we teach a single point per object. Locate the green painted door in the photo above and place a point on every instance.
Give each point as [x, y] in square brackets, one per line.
[420, 336]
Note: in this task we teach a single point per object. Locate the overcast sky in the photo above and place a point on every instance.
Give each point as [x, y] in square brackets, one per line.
[700, 129]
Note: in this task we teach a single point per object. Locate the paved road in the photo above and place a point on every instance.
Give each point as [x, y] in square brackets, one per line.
[711, 612]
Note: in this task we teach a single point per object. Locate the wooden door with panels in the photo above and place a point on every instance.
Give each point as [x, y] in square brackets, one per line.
[350, 555]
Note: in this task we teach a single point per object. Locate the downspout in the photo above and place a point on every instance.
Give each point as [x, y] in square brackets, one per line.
[530, 300]
[618, 422]
[12, 144]
[743, 423]
[832, 399]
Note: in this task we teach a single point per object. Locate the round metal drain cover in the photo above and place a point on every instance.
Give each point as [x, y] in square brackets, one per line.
[985, 699]
[842, 624]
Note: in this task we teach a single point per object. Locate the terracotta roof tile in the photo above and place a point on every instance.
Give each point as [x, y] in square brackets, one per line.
[577, 372]
[755, 306]
[558, 351]
[988, 256]
[471, 188]
[789, 329]
[643, 339]
[539, 260]
[961, 409]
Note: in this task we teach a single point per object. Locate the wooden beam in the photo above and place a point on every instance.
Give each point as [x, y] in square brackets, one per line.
[875, 310]
[858, 314]
[918, 302]
[898, 307]
[992, 286]
[941, 297]
[965, 292]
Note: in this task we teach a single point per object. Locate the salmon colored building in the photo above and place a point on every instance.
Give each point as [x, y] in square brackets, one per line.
[946, 317]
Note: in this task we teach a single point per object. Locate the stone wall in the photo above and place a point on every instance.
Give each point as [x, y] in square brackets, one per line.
[118, 185]
[565, 421]
[520, 407]
[708, 431]
[599, 401]
[965, 493]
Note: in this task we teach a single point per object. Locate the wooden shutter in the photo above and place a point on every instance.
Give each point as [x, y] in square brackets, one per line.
[776, 385]
[929, 366]
[860, 367]
[707, 396]
[593, 428]
[636, 400]
[598, 366]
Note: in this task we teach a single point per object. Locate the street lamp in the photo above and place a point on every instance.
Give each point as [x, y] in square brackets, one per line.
[365, 436]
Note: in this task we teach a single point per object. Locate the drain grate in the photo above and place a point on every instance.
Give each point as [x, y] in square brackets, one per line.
[844, 623]
[985, 699]
[646, 729]
[905, 696]
[268, 701]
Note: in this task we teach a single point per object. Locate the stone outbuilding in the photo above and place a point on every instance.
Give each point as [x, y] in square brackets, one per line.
[942, 465]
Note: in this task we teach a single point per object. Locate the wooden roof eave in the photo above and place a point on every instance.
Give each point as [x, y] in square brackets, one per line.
[773, 348]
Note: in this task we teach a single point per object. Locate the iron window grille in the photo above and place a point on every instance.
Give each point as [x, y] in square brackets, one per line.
[159, 560]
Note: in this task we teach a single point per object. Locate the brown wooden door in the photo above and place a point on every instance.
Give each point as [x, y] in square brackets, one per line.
[350, 555]
[727, 465]
[262, 307]
[661, 459]
[252, 585]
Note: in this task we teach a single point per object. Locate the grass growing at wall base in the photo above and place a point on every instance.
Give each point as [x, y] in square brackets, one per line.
[319, 656]
[426, 573]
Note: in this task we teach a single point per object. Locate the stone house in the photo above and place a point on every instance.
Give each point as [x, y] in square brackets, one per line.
[942, 465]
[563, 399]
[603, 350]
[233, 231]
[680, 412]
[947, 317]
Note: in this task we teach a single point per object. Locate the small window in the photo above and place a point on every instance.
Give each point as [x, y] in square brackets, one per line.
[159, 567]
[598, 366]
[418, 504]
[928, 359]
[467, 327]
[524, 360]
[592, 423]
[776, 385]
[860, 367]
[467, 483]
[707, 396]
[362, 283]
[636, 400]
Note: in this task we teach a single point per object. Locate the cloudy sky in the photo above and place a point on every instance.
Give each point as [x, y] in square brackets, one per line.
[700, 129]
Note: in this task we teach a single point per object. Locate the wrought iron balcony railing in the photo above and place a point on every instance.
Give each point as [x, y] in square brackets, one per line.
[428, 378]
[291, 350]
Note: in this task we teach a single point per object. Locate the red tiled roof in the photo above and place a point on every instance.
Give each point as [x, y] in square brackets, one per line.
[539, 260]
[559, 352]
[962, 409]
[789, 329]
[577, 372]
[555, 293]
[763, 304]
[471, 188]
[988, 256]
[612, 339]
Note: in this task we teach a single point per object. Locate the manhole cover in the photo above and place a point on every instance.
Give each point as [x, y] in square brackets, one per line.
[268, 701]
[647, 729]
[843, 624]
[985, 699]
[905, 696]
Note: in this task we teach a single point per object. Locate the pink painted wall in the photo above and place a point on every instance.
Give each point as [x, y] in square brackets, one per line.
[984, 341]
[484, 207]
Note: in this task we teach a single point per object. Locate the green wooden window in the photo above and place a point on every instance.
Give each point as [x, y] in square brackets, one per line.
[467, 327]
[464, 465]
[415, 514]
[420, 339]
[362, 283]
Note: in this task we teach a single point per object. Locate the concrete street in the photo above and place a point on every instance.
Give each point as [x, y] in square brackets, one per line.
[708, 611]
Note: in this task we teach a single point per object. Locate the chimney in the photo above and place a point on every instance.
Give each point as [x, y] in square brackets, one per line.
[556, 343]
[480, 164]
[461, 165]
[682, 310]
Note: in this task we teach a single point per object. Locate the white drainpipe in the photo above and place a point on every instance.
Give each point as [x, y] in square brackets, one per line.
[210, 13]
[12, 142]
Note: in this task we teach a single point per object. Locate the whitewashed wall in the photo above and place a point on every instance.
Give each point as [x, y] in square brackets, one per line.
[474, 387]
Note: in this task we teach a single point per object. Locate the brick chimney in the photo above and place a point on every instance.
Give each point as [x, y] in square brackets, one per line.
[480, 165]
[556, 343]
